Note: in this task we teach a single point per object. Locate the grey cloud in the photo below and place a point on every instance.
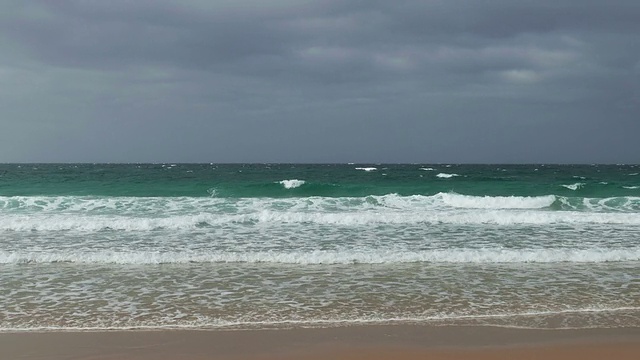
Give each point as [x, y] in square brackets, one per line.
[252, 80]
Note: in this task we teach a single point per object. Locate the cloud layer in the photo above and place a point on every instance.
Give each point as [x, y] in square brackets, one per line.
[320, 81]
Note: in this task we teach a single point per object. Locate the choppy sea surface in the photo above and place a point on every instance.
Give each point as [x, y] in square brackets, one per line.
[138, 246]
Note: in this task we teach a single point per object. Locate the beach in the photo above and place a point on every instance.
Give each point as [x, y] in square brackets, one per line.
[354, 342]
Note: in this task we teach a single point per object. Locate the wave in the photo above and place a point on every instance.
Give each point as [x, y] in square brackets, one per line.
[497, 202]
[446, 176]
[171, 205]
[612, 204]
[392, 204]
[574, 187]
[320, 257]
[291, 184]
[364, 219]
[366, 168]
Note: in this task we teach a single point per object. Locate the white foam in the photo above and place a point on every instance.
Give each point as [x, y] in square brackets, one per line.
[204, 322]
[162, 207]
[147, 214]
[446, 176]
[470, 217]
[389, 216]
[367, 168]
[574, 187]
[292, 184]
[108, 205]
[497, 202]
[317, 257]
[427, 169]
[631, 187]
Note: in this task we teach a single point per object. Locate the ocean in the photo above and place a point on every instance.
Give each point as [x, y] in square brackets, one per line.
[246, 246]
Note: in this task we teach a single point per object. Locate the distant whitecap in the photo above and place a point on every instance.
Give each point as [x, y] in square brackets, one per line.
[446, 176]
[292, 184]
[574, 187]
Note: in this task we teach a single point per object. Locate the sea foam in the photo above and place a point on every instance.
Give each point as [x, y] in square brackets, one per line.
[147, 214]
[497, 202]
[381, 256]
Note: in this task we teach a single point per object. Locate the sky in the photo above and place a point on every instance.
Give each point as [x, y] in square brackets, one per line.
[432, 81]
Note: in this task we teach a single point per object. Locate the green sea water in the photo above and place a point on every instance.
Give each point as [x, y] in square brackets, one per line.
[331, 180]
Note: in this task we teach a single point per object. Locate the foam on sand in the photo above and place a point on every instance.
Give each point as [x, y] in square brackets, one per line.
[316, 257]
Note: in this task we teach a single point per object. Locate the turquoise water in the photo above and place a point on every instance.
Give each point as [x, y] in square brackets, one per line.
[114, 246]
[330, 180]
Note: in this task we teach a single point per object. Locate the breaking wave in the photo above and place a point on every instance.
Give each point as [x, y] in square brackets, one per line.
[163, 206]
[291, 184]
[574, 187]
[446, 176]
[147, 214]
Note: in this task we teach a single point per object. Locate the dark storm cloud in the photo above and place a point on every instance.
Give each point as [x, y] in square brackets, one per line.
[320, 81]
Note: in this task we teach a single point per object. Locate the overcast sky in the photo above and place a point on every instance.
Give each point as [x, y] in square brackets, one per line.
[501, 81]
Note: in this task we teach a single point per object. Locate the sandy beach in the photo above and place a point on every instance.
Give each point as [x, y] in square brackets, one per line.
[357, 342]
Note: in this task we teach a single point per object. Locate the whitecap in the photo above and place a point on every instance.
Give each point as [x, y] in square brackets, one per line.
[366, 168]
[291, 184]
[446, 176]
[574, 187]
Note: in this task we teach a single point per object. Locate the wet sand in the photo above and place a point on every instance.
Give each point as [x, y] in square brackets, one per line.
[356, 342]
